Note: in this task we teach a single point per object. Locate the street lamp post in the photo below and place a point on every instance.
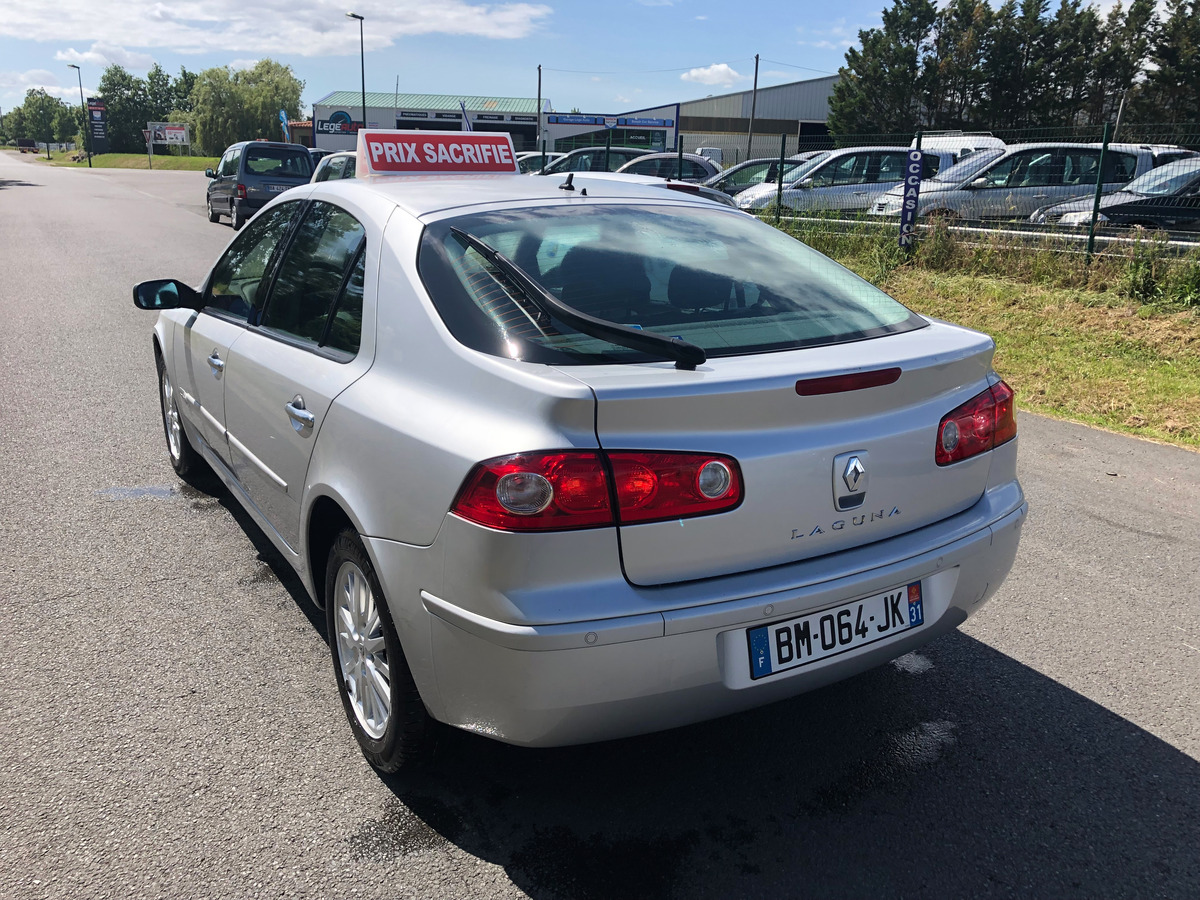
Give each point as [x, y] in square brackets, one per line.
[87, 125]
[362, 56]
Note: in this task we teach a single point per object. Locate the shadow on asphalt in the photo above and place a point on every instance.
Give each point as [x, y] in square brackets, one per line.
[15, 182]
[956, 772]
[977, 777]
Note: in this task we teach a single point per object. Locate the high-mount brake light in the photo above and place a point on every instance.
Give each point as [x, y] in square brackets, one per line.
[985, 421]
[568, 489]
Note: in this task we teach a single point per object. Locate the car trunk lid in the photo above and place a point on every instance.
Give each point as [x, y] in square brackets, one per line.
[794, 451]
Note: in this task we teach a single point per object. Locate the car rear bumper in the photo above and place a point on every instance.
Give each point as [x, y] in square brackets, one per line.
[551, 685]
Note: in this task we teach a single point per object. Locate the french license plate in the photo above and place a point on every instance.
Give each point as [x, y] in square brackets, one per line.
[277, 188]
[796, 642]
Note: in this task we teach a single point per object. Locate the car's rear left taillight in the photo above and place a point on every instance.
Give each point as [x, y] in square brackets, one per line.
[985, 421]
[568, 489]
[241, 192]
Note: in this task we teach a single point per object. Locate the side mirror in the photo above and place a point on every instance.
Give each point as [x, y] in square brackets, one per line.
[806, 183]
[209, 173]
[978, 183]
[165, 293]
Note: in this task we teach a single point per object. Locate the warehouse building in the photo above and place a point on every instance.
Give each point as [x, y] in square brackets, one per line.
[799, 110]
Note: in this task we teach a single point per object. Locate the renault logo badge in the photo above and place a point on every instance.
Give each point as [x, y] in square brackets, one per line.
[850, 479]
[855, 472]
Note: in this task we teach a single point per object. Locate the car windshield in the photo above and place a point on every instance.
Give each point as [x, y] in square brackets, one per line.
[722, 281]
[1164, 181]
[804, 168]
[279, 161]
[969, 165]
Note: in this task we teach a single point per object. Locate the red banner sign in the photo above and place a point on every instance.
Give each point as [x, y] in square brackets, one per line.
[436, 153]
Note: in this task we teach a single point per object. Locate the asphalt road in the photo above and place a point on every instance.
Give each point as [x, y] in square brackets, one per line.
[171, 726]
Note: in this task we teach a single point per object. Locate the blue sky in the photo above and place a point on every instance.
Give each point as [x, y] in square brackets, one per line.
[599, 57]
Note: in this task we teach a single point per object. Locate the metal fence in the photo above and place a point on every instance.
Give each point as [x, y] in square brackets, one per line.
[1080, 182]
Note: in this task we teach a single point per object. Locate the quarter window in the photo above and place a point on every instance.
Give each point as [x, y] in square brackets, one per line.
[238, 278]
[312, 274]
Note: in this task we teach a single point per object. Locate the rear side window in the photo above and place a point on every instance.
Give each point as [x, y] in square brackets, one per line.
[313, 273]
[726, 282]
[280, 161]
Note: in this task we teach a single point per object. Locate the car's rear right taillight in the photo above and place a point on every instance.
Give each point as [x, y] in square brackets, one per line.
[568, 489]
[985, 421]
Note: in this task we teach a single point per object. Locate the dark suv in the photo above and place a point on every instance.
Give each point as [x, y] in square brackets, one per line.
[252, 173]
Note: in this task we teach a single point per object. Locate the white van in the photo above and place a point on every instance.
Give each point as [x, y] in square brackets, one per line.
[961, 144]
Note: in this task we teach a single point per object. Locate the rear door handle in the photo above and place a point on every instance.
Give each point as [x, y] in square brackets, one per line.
[218, 364]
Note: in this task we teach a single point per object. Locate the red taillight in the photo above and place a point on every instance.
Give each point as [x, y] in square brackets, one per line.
[569, 489]
[241, 192]
[652, 487]
[985, 421]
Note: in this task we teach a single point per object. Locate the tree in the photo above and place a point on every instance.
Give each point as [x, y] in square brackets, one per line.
[237, 106]
[128, 109]
[182, 88]
[160, 97]
[953, 70]
[882, 86]
[1171, 92]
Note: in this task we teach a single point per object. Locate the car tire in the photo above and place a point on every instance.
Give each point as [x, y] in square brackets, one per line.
[213, 215]
[187, 463]
[237, 219]
[379, 696]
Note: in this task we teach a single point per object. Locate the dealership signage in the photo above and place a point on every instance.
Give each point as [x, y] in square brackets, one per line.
[912, 191]
[436, 153]
[414, 115]
[338, 123]
[168, 133]
[98, 124]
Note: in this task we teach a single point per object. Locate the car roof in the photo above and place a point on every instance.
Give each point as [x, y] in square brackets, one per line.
[422, 195]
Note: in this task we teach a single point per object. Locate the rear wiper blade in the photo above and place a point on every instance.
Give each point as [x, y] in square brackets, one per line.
[686, 356]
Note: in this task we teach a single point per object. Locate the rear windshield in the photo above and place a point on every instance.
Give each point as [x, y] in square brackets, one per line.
[279, 161]
[721, 280]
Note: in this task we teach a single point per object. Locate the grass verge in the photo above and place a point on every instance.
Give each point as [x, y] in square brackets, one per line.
[1115, 344]
[136, 161]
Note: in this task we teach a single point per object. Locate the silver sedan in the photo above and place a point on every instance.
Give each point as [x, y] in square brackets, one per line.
[564, 465]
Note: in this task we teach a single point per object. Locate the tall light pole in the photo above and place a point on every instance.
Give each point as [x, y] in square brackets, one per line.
[87, 125]
[362, 56]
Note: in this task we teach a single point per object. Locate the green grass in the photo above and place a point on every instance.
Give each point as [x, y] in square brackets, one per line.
[136, 161]
[1115, 344]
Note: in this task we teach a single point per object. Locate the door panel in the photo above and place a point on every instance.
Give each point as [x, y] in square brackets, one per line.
[201, 352]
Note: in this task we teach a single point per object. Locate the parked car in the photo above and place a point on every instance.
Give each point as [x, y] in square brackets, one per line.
[593, 159]
[318, 154]
[1166, 197]
[1021, 179]
[27, 145]
[752, 172]
[333, 166]
[697, 169]
[250, 174]
[847, 179]
[560, 472]
[531, 161]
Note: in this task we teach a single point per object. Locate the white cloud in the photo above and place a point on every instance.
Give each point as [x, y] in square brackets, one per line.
[239, 64]
[304, 27]
[621, 99]
[15, 84]
[701, 18]
[104, 55]
[717, 73]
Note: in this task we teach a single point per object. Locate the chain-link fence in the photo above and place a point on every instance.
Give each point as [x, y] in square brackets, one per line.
[1079, 182]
